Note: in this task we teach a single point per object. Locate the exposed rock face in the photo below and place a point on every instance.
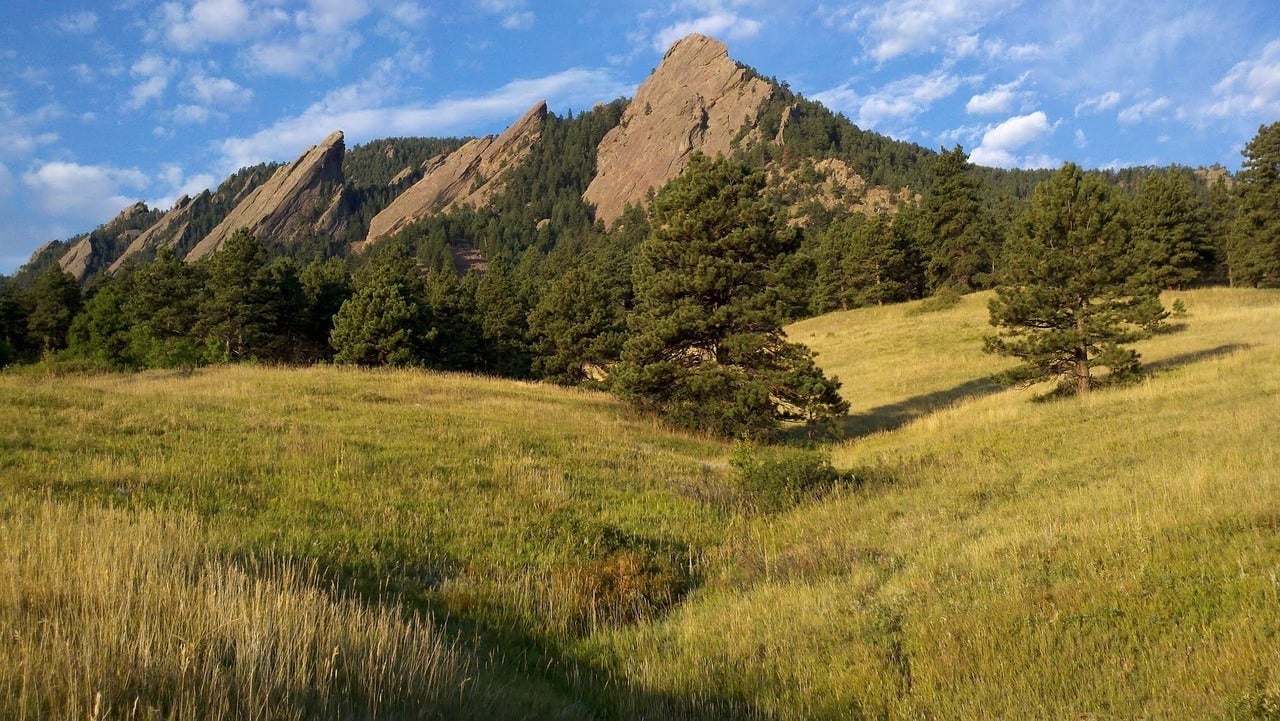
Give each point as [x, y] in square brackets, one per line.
[697, 100]
[164, 234]
[304, 199]
[470, 175]
[837, 187]
[84, 258]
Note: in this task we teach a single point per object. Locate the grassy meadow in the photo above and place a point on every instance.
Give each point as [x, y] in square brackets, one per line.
[247, 542]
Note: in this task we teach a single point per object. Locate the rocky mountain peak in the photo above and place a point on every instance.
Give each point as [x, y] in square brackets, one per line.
[306, 198]
[696, 100]
[470, 175]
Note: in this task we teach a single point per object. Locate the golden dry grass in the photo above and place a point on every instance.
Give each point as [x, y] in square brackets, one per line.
[1114, 556]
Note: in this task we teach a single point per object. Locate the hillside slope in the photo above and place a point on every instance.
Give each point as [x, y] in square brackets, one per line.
[1113, 556]
[1109, 557]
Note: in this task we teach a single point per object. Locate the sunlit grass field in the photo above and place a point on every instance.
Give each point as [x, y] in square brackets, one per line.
[481, 548]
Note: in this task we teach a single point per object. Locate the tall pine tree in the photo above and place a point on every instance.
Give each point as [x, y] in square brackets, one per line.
[1071, 295]
[707, 351]
[957, 234]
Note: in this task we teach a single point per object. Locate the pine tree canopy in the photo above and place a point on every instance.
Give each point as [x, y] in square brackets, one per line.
[1071, 292]
[707, 351]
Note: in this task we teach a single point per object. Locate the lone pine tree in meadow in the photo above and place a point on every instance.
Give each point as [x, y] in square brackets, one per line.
[1072, 292]
[706, 350]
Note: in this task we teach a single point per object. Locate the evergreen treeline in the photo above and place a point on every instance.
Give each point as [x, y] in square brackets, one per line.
[550, 292]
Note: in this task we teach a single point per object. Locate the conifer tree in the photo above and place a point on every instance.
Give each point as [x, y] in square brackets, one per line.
[101, 330]
[386, 321]
[55, 300]
[1253, 252]
[1070, 294]
[707, 351]
[235, 318]
[957, 242]
[1171, 229]
[163, 306]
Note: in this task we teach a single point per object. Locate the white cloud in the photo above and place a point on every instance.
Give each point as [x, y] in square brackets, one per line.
[153, 73]
[324, 38]
[999, 99]
[190, 114]
[1140, 111]
[22, 133]
[1251, 89]
[1000, 143]
[902, 27]
[513, 13]
[1098, 104]
[408, 13]
[209, 21]
[722, 24]
[92, 193]
[302, 56]
[81, 23]
[1082, 140]
[221, 92]
[898, 100]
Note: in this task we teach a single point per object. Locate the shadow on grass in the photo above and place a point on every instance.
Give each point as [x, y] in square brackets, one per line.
[896, 415]
[1185, 359]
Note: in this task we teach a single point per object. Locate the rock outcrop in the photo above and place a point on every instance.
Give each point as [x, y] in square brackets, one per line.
[164, 234]
[302, 200]
[470, 175]
[88, 254]
[697, 100]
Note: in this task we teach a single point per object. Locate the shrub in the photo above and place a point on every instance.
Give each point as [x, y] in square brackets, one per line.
[781, 478]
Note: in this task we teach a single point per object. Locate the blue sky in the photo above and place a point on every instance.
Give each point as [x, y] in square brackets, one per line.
[103, 104]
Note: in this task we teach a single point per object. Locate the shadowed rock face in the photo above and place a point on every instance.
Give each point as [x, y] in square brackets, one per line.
[304, 199]
[163, 234]
[82, 258]
[470, 175]
[697, 100]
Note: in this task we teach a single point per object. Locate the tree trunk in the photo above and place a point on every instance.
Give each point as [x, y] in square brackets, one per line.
[1082, 361]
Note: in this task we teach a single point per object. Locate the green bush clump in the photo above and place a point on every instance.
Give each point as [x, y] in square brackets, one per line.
[777, 479]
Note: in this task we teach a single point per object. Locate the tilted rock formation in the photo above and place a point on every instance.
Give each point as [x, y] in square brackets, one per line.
[304, 199]
[470, 175]
[164, 234]
[697, 100]
[84, 258]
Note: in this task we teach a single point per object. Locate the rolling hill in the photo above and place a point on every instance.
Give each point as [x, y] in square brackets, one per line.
[996, 556]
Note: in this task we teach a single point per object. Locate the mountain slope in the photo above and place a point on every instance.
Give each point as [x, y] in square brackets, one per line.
[302, 201]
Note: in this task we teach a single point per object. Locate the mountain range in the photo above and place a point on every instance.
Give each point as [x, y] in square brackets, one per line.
[698, 99]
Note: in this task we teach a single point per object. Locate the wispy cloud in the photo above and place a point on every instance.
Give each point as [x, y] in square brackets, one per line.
[896, 101]
[362, 111]
[79, 23]
[1138, 112]
[1251, 89]
[153, 74]
[1098, 103]
[903, 27]
[203, 22]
